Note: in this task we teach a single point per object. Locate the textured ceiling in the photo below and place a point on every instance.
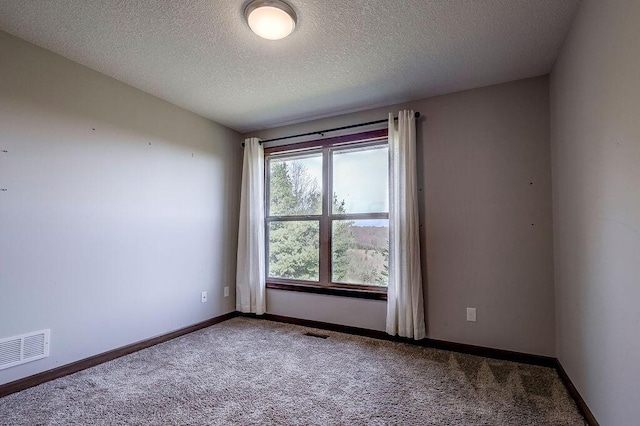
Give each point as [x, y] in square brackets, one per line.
[345, 55]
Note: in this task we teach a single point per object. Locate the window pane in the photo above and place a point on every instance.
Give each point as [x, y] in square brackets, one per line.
[361, 180]
[294, 250]
[360, 251]
[295, 185]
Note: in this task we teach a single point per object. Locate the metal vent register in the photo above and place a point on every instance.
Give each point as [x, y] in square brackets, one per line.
[24, 348]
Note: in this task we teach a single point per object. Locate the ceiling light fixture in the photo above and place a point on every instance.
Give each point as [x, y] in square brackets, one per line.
[270, 19]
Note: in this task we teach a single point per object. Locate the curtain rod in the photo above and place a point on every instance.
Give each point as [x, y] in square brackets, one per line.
[322, 132]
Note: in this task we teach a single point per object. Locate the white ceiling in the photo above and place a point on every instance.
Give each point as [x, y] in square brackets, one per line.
[345, 55]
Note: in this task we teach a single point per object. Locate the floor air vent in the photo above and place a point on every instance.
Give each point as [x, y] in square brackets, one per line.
[24, 348]
[319, 336]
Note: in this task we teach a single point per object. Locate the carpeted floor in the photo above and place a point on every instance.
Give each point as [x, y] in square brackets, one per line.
[254, 372]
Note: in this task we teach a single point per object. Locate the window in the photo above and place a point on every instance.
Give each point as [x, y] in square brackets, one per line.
[327, 207]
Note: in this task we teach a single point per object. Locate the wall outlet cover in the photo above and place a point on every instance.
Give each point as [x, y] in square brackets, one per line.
[204, 296]
[226, 292]
[471, 314]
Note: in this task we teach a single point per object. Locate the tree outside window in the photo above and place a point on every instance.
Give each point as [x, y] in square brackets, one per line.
[348, 238]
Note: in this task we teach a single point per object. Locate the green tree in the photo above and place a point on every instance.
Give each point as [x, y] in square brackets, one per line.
[383, 276]
[342, 241]
[293, 250]
[293, 191]
[294, 245]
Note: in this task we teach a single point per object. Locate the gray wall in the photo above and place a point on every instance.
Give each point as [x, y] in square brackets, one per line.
[595, 89]
[107, 236]
[484, 172]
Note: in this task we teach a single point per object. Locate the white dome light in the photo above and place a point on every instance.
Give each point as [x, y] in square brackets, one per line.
[270, 19]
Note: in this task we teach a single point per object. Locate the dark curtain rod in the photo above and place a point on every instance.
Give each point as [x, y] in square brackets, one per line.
[335, 129]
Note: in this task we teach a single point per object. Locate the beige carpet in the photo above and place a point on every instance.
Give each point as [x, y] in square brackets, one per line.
[253, 372]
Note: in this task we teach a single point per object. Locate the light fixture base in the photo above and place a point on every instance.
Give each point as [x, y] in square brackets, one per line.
[269, 20]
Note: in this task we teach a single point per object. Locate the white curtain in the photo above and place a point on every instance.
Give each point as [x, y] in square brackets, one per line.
[405, 312]
[250, 280]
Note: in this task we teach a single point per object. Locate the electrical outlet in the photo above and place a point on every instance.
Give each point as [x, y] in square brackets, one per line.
[471, 314]
[226, 292]
[204, 296]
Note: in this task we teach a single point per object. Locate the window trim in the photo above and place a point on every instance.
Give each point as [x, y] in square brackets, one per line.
[353, 138]
[324, 285]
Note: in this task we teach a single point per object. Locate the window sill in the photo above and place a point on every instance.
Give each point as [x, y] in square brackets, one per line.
[356, 291]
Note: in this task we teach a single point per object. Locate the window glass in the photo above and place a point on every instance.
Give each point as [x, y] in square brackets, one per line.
[344, 247]
[294, 250]
[295, 185]
[360, 251]
[361, 180]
